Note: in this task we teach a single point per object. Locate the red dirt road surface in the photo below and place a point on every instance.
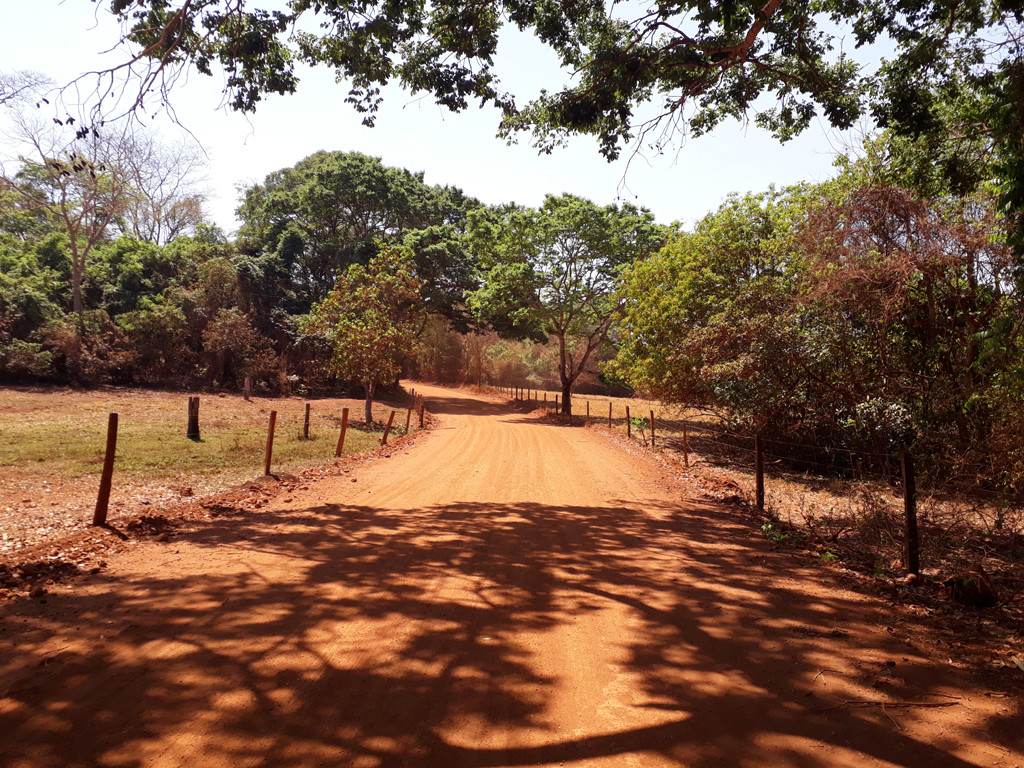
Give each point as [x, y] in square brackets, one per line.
[505, 592]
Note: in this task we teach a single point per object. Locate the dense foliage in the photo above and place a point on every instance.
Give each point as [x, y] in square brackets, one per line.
[369, 321]
[625, 69]
[550, 273]
[332, 208]
[848, 315]
[90, 291]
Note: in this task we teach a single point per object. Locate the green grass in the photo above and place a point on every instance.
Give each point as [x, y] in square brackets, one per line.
[62, 433]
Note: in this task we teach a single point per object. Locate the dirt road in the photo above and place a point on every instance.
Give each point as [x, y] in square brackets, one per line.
[503, 593]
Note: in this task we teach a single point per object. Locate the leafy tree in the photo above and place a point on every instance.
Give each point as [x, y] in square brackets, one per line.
[552, 271]
[29, 293]
[81, 185]
[704, 321]
[716, 57]
[627, 73]
[370, 320]
[330, 209]
[447, 269]
[233, 344]
[844, 314]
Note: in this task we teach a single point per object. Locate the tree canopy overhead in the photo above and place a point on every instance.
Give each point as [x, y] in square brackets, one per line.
[714, 58]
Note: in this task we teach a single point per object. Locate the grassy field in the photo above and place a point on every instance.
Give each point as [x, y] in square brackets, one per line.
[62, 433]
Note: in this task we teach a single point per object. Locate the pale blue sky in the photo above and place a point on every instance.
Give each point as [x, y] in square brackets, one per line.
[62, 39]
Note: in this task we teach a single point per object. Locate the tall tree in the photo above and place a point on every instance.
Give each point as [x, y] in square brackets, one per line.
[81, 183]
[167, 202]
[369, 320]
[551, 272]
[330, 209]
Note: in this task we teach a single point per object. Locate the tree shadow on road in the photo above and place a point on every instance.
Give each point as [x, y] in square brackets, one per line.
[465, 406]
[346, 634]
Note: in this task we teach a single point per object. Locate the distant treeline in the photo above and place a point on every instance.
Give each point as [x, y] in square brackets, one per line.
[875, 312]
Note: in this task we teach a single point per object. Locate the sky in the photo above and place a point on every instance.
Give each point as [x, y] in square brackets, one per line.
[62, 39]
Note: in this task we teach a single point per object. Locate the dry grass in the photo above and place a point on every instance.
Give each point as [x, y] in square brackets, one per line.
[62, 433]
[52, 445]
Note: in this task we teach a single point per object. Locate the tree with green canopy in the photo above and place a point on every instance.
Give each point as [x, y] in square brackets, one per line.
[369, 321]
[627, 72]
[330, 209]
[551, 272]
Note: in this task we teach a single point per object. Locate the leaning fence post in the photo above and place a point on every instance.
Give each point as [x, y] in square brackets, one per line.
[391, 418]
[305, 425]
[609, 414]
[344, 429]
[99, 517]
[686, 448]
[912, 545]
[652, 428]
[758, 474]
[629, 426]
[270, 443]
[408, 420]
[422, 408]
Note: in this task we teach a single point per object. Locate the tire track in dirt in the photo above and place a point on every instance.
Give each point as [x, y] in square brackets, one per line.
[506, 592]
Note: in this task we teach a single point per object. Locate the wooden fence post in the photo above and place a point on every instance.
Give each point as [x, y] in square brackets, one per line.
[629, 425]
[270, 443]
[422, 406]
[408, 420]
[686, 448]
[609, 414]
[305, 425]
[192, 430]
[588, 413]
[99, 517]
[344, 429]
[247, 388]
[912, 544]
[652, 429]
[758, 474]
[387, 429]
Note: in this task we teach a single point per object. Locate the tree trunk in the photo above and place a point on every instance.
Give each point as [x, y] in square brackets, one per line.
[282, 374]
[76, 296]
[77, 270]
[567, 397]
[369, 404]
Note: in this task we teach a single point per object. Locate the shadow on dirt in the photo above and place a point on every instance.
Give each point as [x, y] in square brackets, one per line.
[395, 630]
[465, 406]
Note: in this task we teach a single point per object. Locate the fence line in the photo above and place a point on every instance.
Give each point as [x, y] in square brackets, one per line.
[911, 535]
[192, 432]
